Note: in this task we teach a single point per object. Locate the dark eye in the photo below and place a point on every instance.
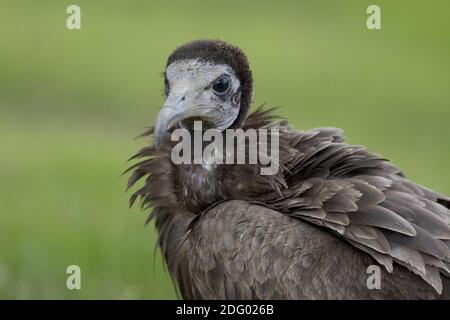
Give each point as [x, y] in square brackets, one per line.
[222, 85]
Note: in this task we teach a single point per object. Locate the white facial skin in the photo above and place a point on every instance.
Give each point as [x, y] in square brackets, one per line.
[199, 90]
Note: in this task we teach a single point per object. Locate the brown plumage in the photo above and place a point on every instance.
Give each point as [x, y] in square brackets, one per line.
[308, 232]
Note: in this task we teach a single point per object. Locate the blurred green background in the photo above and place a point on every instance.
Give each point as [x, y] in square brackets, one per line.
[71, 103]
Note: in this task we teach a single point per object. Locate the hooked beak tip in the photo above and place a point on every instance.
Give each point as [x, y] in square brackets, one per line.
[160, 130]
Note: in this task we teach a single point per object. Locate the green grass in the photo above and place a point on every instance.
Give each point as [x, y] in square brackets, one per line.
[71, 103]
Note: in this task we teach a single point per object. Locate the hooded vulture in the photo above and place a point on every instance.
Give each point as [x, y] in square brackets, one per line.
[315, 229]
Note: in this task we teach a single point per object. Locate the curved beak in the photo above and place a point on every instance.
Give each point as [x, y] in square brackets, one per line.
[177, 108]
[167, 118]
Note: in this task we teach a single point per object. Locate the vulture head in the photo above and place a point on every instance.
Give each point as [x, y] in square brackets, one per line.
[206, 80]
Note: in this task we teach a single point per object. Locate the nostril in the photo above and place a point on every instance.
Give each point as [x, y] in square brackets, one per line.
[184, 98]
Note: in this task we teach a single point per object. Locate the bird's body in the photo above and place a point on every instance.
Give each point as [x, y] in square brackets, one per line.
[311, 231]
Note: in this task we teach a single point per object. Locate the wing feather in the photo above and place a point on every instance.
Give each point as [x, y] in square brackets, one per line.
[367, 200]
